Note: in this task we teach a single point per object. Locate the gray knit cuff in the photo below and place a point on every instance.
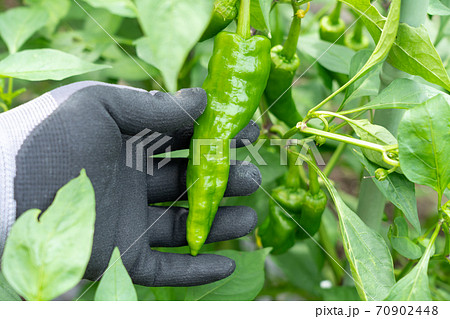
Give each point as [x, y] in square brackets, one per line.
[15, 126]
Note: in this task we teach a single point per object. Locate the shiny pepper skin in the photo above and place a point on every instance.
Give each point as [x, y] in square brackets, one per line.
[223, 14]
[278, 230]
[237, 75]
[278, 92]
[312, 209]
[332, 32]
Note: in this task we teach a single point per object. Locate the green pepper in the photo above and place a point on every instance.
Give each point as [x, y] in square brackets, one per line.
[332, 27]
[223, 14]
[278, 230]
[285, 62]
[237, 75]
[312, 210]
[355, 39]
[291, 199]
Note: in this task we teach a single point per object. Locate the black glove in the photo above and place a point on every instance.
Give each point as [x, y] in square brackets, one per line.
[86, 125]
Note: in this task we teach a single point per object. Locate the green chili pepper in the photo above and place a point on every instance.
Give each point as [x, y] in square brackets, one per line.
[237, 75]
[278, 230]
[285, 63]
[223, 14]
[291, 199]
[278, 93]
[332, 27]
[312, 210]
[355, 39]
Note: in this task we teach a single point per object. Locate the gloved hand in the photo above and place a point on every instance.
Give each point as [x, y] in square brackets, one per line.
[46, 142]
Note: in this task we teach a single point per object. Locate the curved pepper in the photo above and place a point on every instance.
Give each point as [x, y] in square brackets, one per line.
[279, 90]
[223, 14]
[237, 75]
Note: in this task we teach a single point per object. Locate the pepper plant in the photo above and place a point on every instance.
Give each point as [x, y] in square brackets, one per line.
[365, 83]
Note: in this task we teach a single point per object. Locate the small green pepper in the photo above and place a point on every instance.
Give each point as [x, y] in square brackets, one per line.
[278, 93]
[223, 14]
[285, 63]
[237, 75]
[312, 210]
[278, 230]
[332, 27]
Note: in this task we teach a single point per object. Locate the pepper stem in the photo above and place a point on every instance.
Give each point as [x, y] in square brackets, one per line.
[293, 177]
[335, 15]
[290, 46]
[243, 25]
[357, 35]
[314, 186]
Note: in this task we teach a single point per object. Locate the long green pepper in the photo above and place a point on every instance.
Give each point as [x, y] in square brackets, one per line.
[237, 75]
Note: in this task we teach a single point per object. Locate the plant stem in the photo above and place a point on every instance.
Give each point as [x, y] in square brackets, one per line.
[371, 200]
[4, 107]
[357, 35]
[290, 46]
[334, 159]
[314, 186]
[267, 122]
[293, 177]
[335, 15]
[332, 255]
[345, 139]
[243, 25]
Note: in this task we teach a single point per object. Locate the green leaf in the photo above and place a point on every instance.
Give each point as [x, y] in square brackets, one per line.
[400, 241]
[244, 284]
[367, 253]
[7, 292]
[415, 54]
[116, 284]
[19, 24]
[123, 8]
[375, 134]
[380, 52]
[53, 248]
[436, 7]
[45, 64]
[172, 28]
[302, 266]
[369, 84]
[340, 293]
[415, 286]
[335, 58]
[412, 51]
[260, 14]
[397, 189]
[160, 293]
[56, 11]
[400, 94]
[424, 143]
